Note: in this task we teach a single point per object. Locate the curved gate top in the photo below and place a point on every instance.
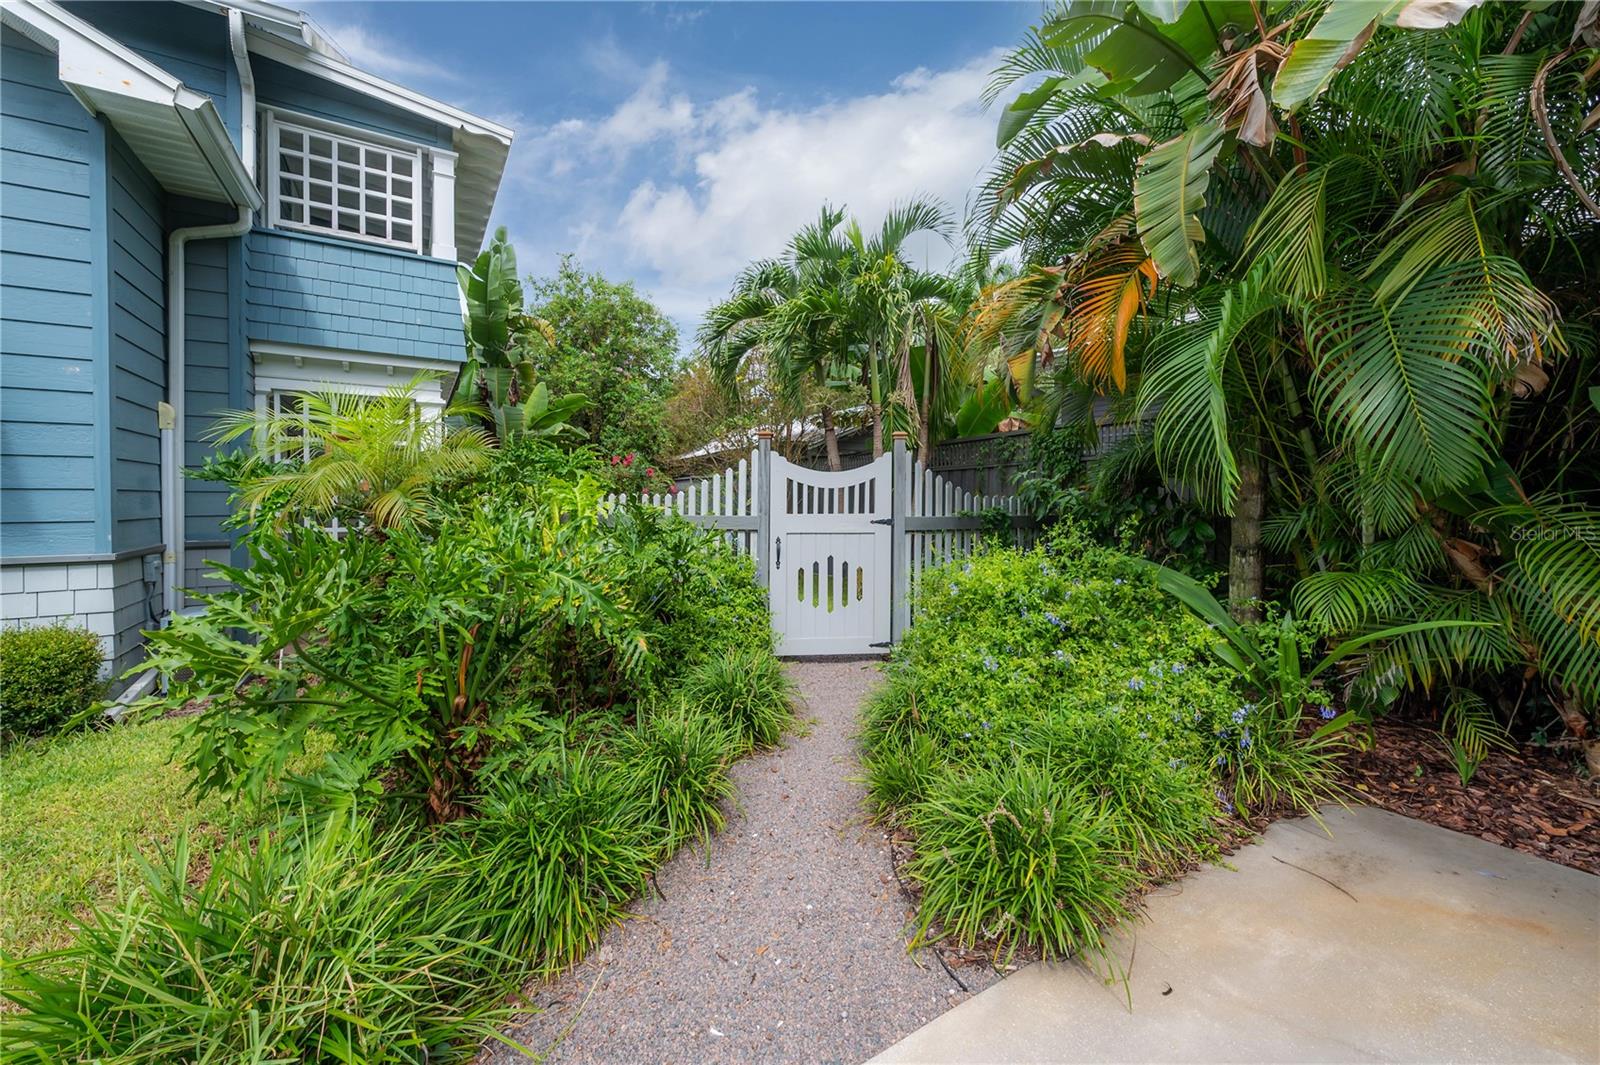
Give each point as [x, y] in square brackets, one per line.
[830, 576]
[840, 553]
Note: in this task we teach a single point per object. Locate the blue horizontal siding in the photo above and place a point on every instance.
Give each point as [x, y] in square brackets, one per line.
[329, 293]
[208, 346]
[186, 42]
[287, 89]
[138, 348]
[52, 329]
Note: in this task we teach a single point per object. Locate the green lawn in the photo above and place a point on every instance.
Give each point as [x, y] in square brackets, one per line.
[73, 808]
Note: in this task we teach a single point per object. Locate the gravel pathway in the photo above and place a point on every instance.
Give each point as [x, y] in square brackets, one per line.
[788, 945]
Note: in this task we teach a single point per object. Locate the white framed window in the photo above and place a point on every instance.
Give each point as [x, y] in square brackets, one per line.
[342, 185]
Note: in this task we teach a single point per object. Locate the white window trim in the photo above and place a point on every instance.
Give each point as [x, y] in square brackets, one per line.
[291, 368]
[422, 180]
[286, 369]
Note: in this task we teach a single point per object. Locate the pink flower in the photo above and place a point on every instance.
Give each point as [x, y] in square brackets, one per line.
[628, 459]
[649, 471]
[615, 459]
[672, 489]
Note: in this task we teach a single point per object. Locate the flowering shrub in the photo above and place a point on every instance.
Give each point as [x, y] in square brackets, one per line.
[1067, 674]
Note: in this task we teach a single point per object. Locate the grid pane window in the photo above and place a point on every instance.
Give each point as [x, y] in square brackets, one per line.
[330, 182]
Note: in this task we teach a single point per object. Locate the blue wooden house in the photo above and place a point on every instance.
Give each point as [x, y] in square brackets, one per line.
[203, 207]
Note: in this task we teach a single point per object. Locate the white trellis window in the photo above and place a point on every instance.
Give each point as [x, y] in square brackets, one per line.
[338, 184]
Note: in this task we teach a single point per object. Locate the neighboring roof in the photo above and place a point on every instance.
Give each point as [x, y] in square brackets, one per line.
[175, 131]
[292, 38]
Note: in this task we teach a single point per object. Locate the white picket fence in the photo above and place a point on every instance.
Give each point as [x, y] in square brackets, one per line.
[929, 522]
[944, 522]
[729, 501]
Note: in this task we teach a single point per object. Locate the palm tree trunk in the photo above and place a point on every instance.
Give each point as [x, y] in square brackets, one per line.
[1245, 571]
[930, 360]
[875, 400]
[830, 437]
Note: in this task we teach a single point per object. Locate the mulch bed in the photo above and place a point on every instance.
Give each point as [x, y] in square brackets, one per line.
[1532, 800]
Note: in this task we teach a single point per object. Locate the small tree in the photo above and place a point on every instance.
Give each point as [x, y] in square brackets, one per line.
[610, 344]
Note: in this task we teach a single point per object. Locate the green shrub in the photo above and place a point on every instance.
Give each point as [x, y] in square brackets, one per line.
[1018, 855]
[554, 858]
[330, 944]
[48, 675]
[744, 687]
[680, 757]
[1066, 674]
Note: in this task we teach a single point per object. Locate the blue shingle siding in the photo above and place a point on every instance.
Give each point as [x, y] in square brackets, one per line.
[52, 329]
[138, 348]
[329, 293]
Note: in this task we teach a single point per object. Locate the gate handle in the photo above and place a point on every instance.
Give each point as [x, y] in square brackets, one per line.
[777, 562]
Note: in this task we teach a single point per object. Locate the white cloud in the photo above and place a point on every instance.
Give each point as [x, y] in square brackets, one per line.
[679, 192]
[758, 174]
[378, 53]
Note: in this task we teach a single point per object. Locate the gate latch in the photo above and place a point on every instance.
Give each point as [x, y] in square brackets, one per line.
[885, 643]
[883, 521]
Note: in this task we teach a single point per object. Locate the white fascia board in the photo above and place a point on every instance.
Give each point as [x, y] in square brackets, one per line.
[311, 62]
[89, 62]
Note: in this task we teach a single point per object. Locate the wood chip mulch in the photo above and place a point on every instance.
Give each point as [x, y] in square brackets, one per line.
[1532, 800]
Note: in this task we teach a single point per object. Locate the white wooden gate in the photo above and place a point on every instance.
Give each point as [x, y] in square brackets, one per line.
[830, 576]
[842, 555]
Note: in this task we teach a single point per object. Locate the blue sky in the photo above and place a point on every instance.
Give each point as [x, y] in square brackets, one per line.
[671, 143]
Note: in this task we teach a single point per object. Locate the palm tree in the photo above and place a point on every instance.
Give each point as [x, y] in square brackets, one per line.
[1337, 329]
[840, 305]
[370, 462]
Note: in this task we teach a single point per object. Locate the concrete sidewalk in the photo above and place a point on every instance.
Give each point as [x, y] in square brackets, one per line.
[1394, 940]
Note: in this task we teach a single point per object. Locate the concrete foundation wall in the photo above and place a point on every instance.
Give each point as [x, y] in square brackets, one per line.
[110, 599]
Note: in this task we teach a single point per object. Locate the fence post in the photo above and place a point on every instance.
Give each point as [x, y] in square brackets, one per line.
[899, 601]
[763, 500]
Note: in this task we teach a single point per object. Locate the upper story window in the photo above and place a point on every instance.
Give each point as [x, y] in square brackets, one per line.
[342, 185]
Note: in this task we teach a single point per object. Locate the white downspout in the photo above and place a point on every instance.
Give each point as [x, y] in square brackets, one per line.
[172, 414]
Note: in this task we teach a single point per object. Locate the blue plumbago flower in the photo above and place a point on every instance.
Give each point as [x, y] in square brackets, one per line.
[1227, 804]
[1052, 619]
[1062, 656]
[952, 588]
[1222, 759]
[986, 725]
[1143, 735]
[966, 735]
[1197, 714]
[1024, 611]
[1178, 667]
[1244, 741]
[1222, 733]
[1154, 670]
[1136, 683]
[967, 568]
[990, 664]
[1239, 715]
[1328, 713]
[1173, 763]
[1117, 581]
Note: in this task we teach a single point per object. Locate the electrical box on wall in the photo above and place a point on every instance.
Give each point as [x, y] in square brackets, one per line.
[152, 569]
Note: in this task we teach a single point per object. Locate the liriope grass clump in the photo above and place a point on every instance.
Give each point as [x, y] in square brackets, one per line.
[557, 857]
[745, 688]
[1018, 855]
[679, 757]
[333, 942]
